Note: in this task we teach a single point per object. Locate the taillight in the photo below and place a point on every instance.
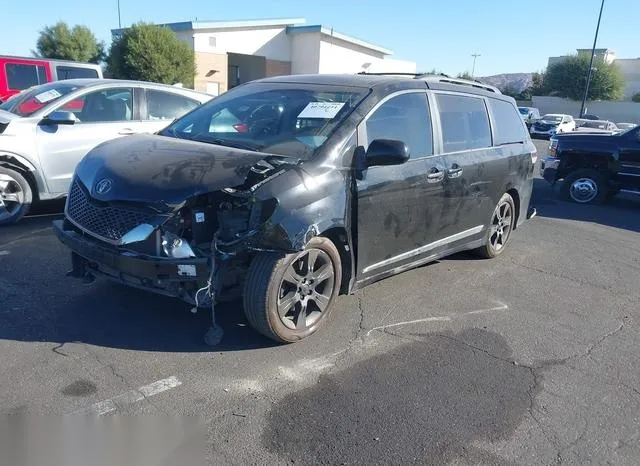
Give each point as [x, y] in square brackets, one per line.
[241, 128]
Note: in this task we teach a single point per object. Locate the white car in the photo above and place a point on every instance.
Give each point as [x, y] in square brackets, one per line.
[597, 126]
[45, 131]
[552, 123]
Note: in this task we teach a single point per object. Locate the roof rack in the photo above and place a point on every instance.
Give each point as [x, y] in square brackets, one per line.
[459, 81]
[441, 78]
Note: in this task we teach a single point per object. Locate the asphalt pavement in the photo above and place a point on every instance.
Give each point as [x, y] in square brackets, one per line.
[530, 358]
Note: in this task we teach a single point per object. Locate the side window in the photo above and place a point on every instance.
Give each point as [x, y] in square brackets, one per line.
[167, 106]
[20, 77]
[102, 106]
[465, 122]
[405, 118]
[74, 72]
[507, 126]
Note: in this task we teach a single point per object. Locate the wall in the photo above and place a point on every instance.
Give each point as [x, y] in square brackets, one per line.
[277, 68]
[272, 43]
[305, 53]
[337, 56]
[205, 62]
[630, 68]
[186, 36]
[628, 112]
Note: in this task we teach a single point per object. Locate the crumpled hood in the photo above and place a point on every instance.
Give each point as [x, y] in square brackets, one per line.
[162, 171]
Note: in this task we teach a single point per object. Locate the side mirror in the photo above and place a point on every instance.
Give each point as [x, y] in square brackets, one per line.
[386, 152]
[59, 118]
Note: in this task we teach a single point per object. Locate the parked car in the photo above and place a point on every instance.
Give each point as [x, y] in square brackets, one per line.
[625, 126]
[45, 132]
[338, 181]
[594, 167]
[580, 122]
[590, 116]
[18, 73]
[552, 123]
[529, 115]
[597, 126]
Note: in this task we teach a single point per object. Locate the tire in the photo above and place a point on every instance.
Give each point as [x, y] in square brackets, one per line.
[270, 287]
[585, 186]
[15, 196]
[499, 229]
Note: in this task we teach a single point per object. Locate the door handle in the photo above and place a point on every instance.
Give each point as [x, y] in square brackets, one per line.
[126, 132]
[455, 171]
[435, 175]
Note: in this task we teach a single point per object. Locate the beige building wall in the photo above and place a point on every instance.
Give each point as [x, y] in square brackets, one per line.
[211, 69]
[277, 68]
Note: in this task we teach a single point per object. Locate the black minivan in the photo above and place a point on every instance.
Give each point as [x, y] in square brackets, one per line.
[290, 190]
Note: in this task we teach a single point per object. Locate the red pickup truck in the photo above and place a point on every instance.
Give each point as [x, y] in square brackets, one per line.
[19, 73]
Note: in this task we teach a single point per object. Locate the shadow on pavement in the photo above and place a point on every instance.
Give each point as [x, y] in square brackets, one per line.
[621, 212]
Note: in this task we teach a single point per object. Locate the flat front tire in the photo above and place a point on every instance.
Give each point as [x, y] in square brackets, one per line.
[15, 196]
[289, 297]
[499, 230]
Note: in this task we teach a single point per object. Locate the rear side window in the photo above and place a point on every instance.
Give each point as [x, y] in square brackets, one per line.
[404, 118]
[167, 106]
[507, 124]
[465, 122]
[20, 76]
[74, 72]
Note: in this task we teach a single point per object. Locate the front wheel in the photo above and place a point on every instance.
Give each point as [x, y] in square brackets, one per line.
[585, 186]
[15, 196]
[501, 225]
[287, 298]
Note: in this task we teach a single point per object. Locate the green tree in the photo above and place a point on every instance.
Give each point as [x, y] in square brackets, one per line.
[466, 75]
[148, 52]
[77, 44]
[636, 97]
[569, 78]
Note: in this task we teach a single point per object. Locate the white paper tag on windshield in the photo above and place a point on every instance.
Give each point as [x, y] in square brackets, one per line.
[47, 96]
[325, 110]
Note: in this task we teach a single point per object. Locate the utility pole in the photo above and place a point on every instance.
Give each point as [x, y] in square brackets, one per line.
[473, 70]
[593, 52]
[119, 21]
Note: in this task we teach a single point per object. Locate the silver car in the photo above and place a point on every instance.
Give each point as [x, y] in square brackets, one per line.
[45, 131]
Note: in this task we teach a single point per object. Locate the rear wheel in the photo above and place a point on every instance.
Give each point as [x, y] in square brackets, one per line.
[500, 227]
[15, 196]
[585, 186]
[287, 298]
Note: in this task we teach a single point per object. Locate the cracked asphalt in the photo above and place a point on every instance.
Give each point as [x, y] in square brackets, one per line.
[531, 358]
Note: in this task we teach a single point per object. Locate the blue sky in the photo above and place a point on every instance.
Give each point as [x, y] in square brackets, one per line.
[510, 35]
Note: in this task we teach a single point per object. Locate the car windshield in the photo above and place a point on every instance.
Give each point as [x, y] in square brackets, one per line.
[557, 118]
[524, 110]
[286, 119]
[31, 100]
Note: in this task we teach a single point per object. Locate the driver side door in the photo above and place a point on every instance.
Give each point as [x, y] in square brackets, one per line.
[102, 115]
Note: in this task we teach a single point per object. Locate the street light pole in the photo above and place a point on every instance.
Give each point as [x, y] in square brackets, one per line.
[593, 52]
[119, 21]
[473, 70]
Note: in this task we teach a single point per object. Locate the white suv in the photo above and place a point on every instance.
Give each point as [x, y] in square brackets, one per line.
[552, 123]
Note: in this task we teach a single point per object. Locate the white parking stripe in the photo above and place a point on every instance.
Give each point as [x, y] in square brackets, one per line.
[130, 397]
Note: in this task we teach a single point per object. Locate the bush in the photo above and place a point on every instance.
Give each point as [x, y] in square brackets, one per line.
[636, 97]
[147, 52]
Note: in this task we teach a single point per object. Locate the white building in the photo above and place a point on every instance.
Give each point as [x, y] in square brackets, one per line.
[233, 52]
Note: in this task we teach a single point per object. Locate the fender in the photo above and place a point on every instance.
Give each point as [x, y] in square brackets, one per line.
[11, 159]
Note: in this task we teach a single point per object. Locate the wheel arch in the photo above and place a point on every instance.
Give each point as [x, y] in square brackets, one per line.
[339, 236]
[25, 168]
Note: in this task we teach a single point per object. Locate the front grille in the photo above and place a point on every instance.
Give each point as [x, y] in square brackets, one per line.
[106, 222]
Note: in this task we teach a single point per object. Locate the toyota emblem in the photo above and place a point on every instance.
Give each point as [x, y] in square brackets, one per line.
[103, 186]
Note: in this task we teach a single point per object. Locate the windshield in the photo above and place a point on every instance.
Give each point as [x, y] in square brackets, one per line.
[285, 119]
[556, 118]
[523, 110]
[31, 100]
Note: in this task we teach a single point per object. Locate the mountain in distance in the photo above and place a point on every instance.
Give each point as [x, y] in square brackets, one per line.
[517, 82]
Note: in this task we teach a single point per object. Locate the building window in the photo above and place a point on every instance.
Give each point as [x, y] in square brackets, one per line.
[212, 41]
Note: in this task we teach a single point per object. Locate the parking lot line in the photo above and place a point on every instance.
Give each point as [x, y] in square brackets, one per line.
[448, 318]
[128, 398]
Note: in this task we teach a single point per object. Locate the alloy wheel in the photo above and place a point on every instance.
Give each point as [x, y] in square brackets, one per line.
[501, 226]
[11, 196]
[306, 289]
[583, 190]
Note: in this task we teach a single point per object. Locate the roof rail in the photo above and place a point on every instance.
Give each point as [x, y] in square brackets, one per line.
[459, 81]
[414, 75]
